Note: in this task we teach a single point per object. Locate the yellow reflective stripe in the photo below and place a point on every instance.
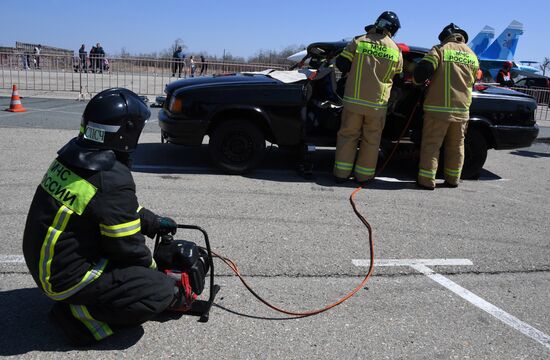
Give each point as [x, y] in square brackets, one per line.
[427, 173]
[139, 208]
[365, 103]
[90, 276]
[153, 264]
[340, 165]
[346, 54]
[67, 187]
[364, 170]
[358, 70]
[99, 329]
[47, 251]
[385, 82]
[47, 254]
[362, 63]
[452, 172]
[121, 230]
[447, 84]
[432, 60]
[445, 109]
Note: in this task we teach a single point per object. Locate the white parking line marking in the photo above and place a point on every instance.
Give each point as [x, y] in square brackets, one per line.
[61, 106]
[9, 114]
[420, 265]
[11, 259]
[390, 179]
[55, 110]
[486, 306]
[170, 168]
[411, 262]
[187, 169]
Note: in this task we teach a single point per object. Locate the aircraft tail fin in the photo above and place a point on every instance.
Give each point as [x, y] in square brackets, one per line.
[482, 40]
[504, 47]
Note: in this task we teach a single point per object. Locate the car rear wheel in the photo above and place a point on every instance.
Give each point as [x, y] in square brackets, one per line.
[475, 154]
[236, 146]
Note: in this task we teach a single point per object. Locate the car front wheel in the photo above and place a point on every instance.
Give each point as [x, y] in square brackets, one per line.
[236, 146]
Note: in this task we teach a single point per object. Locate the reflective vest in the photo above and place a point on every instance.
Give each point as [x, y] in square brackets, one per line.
[455, 68]
[375, 59]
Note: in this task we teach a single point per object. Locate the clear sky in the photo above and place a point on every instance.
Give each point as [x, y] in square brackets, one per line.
[242, 27]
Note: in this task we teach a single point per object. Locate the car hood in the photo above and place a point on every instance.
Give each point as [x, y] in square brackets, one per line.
[495, 90]
[206, 81]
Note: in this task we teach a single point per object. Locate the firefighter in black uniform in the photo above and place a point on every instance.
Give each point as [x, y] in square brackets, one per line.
[84, 237]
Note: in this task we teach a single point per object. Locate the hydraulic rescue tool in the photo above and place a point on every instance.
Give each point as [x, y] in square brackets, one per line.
[188, 264]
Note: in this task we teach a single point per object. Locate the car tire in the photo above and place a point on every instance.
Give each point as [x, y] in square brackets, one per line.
[236, 146]
[475, 154]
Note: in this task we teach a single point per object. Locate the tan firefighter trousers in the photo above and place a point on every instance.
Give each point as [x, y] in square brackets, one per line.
[368, 127]
[436, 131]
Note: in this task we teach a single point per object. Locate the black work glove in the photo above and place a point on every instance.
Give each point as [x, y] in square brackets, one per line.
[183, 256]
[165, 225]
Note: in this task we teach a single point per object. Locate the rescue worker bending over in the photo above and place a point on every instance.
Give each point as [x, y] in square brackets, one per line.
[83, 240]
[372, 60]
[451, 67]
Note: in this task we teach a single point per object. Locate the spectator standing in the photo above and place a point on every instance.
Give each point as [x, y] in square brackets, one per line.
[183, 64]
[93, 58]
[25, 60]
[192, 65]
[37, 51]
[82, 54]
[204, 66]
[100, 54]
[176, 62]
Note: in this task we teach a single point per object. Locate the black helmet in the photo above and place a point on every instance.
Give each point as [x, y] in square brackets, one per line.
[389, 21]
[452, 29]
[113, 120]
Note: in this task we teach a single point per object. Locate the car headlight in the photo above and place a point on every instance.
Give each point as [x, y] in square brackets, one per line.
[175, 105]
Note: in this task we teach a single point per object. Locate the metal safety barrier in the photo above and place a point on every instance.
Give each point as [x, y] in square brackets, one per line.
[89, 75]
[542, 96]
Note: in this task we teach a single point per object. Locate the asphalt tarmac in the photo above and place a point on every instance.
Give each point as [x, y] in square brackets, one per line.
[460, 273]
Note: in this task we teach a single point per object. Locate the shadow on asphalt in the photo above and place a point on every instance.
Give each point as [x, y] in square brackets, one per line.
[530, 154]
[27, 327]
[170, 161]
[234, 312]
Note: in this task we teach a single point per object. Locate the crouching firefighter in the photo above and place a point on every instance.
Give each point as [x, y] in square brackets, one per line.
[84, 237]
[451, 68]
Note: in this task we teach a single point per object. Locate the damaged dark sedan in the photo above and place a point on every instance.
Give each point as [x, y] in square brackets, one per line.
[240, 112]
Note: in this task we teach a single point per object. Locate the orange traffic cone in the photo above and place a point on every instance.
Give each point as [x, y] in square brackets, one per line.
[15, 103]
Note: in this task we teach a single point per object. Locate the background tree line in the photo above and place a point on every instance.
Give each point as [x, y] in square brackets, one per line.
[260, 57]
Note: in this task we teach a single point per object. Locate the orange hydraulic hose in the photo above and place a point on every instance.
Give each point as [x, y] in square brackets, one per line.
[299, 314]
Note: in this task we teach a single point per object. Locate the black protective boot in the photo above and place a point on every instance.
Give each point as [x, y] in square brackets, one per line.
[305, 166]
[74, 331]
